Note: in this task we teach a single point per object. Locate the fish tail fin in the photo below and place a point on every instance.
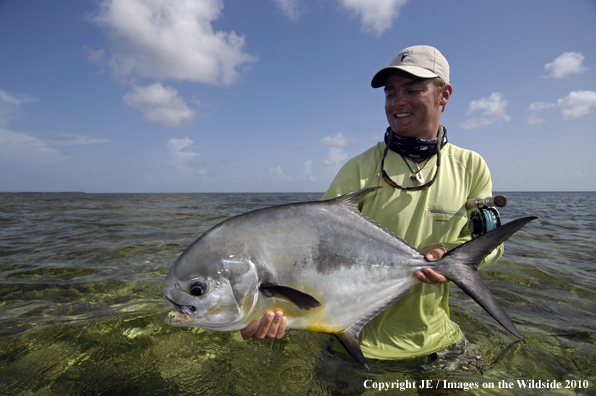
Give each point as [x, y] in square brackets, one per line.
[349, 340]
[464, 272]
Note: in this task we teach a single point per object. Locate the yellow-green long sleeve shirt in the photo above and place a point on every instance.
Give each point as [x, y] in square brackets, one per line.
[418, 324]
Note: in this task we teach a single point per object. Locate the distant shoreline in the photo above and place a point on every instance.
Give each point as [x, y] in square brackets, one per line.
[42, 192]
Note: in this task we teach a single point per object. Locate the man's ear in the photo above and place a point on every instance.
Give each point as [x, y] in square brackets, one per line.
[446, 94]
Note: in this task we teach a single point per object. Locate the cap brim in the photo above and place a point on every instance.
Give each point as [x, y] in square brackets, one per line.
[379, 78]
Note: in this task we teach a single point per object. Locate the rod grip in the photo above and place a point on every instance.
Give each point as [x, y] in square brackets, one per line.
[498, 200]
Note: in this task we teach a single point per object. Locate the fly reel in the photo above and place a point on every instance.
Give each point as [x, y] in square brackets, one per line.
[484, 217]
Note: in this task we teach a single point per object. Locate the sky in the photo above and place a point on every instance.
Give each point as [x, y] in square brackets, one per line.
[126, 96]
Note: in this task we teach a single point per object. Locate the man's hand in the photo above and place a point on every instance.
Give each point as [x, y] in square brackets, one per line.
[427, 275]
[273, 325]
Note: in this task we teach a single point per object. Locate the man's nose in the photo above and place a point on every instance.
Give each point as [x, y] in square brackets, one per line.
[398, 99]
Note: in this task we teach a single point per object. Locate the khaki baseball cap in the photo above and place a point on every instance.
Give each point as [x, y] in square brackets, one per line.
[420, 60]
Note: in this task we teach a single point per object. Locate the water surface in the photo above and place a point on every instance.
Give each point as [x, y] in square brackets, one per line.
[81, 306]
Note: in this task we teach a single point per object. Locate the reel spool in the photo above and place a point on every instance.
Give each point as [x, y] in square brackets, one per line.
[484, 220]
[484, 217]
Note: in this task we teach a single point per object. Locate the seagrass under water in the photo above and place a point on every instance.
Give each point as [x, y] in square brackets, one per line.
[81, 306]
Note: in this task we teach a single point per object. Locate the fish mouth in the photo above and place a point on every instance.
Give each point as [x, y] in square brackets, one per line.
[183, 309]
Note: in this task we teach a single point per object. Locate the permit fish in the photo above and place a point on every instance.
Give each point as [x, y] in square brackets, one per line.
[328, 267]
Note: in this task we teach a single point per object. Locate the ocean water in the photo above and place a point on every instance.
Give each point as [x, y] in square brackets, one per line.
[82, 308]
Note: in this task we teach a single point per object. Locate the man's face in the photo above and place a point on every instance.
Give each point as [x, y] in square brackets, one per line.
[412, 107]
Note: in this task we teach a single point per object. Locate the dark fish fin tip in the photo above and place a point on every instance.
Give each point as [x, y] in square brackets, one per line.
[296, 297]
[477, 249]
[477, 289]
[349, 340]
[466, 276]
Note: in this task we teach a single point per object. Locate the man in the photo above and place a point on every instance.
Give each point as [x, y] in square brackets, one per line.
[426, 182]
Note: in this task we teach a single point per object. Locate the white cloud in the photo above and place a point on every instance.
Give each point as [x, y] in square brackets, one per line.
[160, 104]
[175, 146]
[308, 173]
[335, 154]
[335, 157]
[292, 9]
[278, 174]
[184, 163]
[15, 99]
[171, 39]
[541, 106]
[576, 104]
[10, 106]
[94, 56]
[72, 139]
[21, 147]
[492, 110]
[377, 15]
[339, 140]
[568, 63]
[533, 118]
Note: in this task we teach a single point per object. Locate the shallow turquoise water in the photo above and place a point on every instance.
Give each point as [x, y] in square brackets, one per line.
[81, 306]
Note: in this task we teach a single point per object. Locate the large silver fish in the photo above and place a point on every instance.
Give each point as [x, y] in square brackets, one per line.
[328, 267]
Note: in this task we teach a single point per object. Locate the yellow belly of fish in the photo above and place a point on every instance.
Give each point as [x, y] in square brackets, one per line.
[315, 320]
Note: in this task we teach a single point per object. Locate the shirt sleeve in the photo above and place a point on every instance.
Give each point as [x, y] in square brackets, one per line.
[480, 187]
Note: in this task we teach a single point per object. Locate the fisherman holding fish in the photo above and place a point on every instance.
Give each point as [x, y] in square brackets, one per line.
[425, 183]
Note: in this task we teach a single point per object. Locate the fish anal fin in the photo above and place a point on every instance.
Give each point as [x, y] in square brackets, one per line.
[349, 340]
[349, 337]
[296, 297]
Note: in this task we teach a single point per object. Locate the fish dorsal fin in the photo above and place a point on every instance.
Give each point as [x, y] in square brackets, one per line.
[349, 340]
[296, 297]
[351, 200]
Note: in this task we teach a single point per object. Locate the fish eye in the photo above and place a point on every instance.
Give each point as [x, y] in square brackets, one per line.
[197, 288]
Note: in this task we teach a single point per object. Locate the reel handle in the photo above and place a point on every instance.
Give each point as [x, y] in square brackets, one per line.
[497, 200]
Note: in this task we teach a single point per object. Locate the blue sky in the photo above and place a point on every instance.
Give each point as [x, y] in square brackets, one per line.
[275, 95]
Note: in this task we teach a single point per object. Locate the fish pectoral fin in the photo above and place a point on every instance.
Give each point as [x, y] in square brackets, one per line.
[296, 297]
[349, 340]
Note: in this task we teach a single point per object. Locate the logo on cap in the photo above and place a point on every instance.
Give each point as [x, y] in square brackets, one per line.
[404, 54]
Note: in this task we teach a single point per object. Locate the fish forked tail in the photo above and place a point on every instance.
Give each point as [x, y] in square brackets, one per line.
[460, 266]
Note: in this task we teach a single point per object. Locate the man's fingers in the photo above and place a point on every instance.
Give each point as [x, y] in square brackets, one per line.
[434, 277]
[434, 253]
[274, 326]
[264, 326]
[281, 330]
[250, 330]
[431, 277]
